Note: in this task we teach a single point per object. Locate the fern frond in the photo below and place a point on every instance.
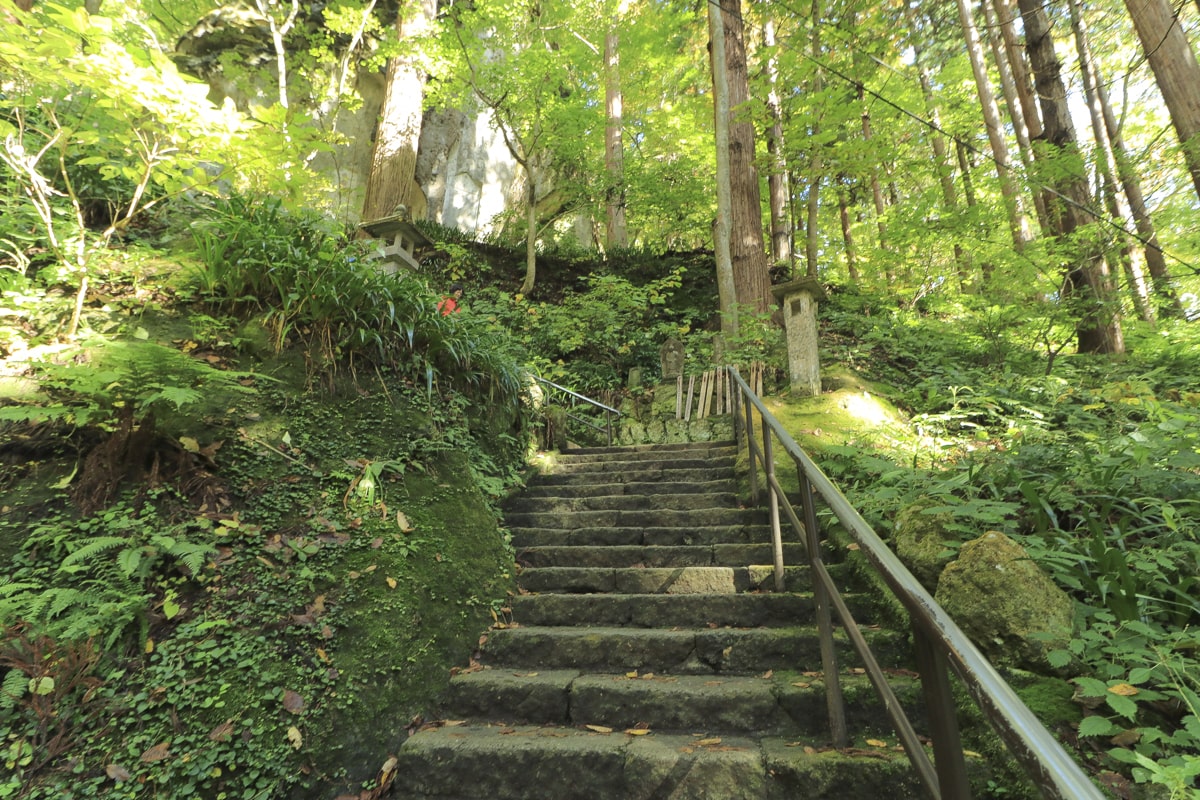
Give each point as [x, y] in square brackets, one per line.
[61, 600]
[91, 548]
[129, 559]
[10, 589]
[16, 683]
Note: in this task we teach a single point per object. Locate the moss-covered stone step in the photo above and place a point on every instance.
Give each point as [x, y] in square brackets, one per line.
[665, 610]
[656, 580]
[712, 487]
[714, 555]
[620, 502]
[637, 535]
[653, 448]
[697, 651]
[649, 452]
[650, 517]
[647, 473]
[596, 467]
[782, 703]
[547, 763]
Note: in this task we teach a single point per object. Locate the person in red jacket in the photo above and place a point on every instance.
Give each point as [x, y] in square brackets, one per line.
[449, 304]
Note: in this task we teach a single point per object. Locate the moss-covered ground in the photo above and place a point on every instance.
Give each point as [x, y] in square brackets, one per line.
[346, 556]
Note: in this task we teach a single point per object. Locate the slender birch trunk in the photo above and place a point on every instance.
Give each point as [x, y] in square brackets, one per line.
[1013, 204]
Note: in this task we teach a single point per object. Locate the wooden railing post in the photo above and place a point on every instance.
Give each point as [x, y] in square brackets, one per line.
[829, 663]
[773, 505]
[750, 452]
[943, 722]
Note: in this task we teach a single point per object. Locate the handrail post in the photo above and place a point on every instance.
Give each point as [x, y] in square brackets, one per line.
[943, 724]
[773, 505]
[833, 683]
[750, 453]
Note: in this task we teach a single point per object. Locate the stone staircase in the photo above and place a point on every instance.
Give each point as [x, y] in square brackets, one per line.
[646, 658]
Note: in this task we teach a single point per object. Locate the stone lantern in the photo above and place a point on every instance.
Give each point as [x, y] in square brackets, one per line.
[799, 299]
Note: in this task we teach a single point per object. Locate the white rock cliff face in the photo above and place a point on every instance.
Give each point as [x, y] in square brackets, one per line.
[464, 169]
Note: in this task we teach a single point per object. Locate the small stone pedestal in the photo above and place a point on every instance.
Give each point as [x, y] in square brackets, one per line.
[799, 300]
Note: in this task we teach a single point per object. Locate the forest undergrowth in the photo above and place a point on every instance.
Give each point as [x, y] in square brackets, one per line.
[256, 489]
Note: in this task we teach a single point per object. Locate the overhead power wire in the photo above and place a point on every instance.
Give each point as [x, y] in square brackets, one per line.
[1036, 184]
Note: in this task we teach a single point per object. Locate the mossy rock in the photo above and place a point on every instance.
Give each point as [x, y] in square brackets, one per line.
[918, 538]
[1012, 610]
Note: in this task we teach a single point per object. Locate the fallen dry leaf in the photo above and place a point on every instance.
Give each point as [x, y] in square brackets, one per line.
[709, 742]
[156, 753]
[391, 582]
[222, 733]
[1123, 689]
[293, 702]
[295, 737]
[599, 728]
[876, 743]
[637, 731]
[117, 773]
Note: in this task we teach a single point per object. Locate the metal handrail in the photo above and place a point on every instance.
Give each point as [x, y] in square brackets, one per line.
[940, 644]
[609, 412]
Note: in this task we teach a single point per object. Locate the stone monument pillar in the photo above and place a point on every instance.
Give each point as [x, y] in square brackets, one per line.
[671, 356]
[799, 300]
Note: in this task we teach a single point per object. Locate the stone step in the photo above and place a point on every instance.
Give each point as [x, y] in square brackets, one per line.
[656, 580]
[517, 762]
[650, 517]
[656, 448]
[611, 466]
[777, 703]
[715, 555]
[695, 651]
[630, 488]
[650, 452]
[655, 536]
[620, 502]
[638, 474]
[745, 610]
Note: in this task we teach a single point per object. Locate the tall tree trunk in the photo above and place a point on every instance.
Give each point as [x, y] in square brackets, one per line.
[847, 232]
[1012, 100]
[811, 226]
[1175, 71]
[751, 274]
[777, 183]
[531, 231]
[1007, 14]
[1164, 289]
[726, 287]
[1013, 204]
[945, 169]
[614, 157]
[964, 168]
[876, 188]
[391, 181]
[1098, 325]
[1133, 256]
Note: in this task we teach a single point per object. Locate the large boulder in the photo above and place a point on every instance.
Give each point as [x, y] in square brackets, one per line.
[1012, 610]
[918, 538]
